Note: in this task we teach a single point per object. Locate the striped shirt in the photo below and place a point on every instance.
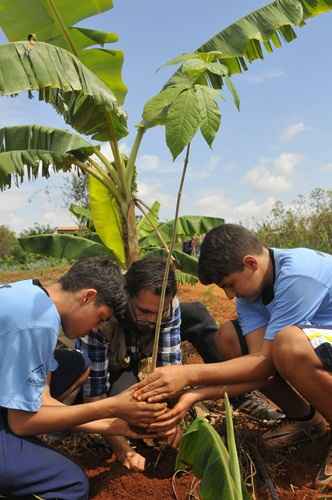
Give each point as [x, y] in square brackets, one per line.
[107, 348]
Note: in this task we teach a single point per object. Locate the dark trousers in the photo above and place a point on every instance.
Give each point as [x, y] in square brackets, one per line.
[28, 467]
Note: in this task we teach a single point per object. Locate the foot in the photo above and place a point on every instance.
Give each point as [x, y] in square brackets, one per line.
[126, 455]
[293, 432]
[323, 479]
[131, 460]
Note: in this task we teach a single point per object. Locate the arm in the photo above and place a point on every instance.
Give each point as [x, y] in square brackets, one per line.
[54, 416]
[167, 381]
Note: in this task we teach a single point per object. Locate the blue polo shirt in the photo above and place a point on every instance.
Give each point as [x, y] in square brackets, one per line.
[29, 328]
[302, 294]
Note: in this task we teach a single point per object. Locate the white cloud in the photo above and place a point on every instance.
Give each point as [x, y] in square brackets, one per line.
[147, 163]
[205, 171]
[273, 176]
[219, 205]
[152, 192]
[292, 131]
[327, 167]
[264, 76]
[11, 201]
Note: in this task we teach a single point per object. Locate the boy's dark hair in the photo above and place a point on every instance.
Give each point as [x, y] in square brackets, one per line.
[222, 252]
[148, 273]
[102, 274]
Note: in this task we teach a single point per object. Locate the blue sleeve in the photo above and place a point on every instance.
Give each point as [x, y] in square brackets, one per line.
[25, 361]
[170, 339]
[251, 315]
[296, 302]
[92, 347]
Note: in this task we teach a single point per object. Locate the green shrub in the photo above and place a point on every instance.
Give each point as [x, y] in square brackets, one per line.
[307, 223]
[8, 242]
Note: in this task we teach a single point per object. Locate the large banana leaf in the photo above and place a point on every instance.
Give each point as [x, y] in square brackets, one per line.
[187, 226]
[53, 22]
[185, 263]
[33, 149]
[242, 42]
[63, 81]
[106, 218]
[145, 225]
[65, 246]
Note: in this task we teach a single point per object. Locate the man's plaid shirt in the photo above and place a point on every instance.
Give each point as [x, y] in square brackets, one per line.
[99, 349]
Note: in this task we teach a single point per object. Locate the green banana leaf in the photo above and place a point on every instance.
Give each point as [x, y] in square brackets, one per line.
[106, 218]
[184, 263]
[187, 227]
[63, 246]
[80, 212]
[144, 227]
[62, 80]
[53, 22]
[231, 446]
[242, 42]
[33, 149]
[203, 451]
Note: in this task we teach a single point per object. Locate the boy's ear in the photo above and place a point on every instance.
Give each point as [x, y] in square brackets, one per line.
[88, 295]
[250, 262]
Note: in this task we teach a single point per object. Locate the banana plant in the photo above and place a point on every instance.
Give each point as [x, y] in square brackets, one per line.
[188, 103]
[214, 461]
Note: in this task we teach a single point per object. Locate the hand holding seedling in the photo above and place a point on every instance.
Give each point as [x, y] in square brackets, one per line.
[165, 382]
[136, 412]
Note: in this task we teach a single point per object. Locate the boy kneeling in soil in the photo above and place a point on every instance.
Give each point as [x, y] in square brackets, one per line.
[284, 304]
[31, 317]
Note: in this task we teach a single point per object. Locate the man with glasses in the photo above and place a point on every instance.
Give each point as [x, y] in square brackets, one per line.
[117, 350]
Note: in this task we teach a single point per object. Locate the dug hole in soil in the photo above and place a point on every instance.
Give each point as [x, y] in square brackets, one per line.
[292, 471]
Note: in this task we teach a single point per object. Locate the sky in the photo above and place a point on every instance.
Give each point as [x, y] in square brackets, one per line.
[277, 147]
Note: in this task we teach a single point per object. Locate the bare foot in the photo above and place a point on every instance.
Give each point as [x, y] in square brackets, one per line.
[126, 455]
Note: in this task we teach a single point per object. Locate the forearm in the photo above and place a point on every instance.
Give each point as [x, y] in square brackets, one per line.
[252, 368]
[218, 391]
[53, 416]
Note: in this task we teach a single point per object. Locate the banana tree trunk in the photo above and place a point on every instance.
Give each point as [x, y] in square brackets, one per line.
[130, 236]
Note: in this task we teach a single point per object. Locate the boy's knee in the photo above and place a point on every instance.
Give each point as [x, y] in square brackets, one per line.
[228, 338]
[288, 352]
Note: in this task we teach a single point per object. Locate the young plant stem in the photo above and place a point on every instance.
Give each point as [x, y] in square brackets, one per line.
[125, 188]
[145, 211]
[133, 155]
[110, 168]
[168, 264]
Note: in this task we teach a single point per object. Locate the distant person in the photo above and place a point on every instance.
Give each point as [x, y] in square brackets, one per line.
[31, 317]
[284, 304]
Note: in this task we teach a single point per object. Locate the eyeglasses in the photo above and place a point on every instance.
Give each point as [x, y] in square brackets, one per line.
[138, 315]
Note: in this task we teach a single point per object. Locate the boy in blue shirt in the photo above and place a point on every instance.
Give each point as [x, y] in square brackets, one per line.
[284, 305]
[30, 321]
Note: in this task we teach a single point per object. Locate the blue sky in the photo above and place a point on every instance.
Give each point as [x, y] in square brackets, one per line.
[277, 147]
